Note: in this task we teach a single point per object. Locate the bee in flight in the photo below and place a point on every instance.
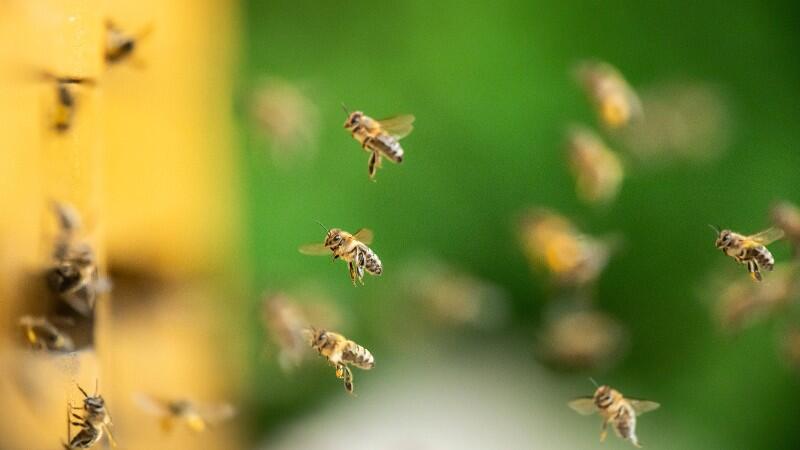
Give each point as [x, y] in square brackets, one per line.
[381, 138]
[786, 216]
[43, 335]
[749, 250]
[94, 422]
[63, 113]
[352, 248]
[197, 418]
[119, 44]
[616, 410]
[616, 102]
[340, 353]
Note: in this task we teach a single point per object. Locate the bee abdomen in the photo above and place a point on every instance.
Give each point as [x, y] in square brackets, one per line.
[764, 257]
[371, 262]
[389, 146]
[359, 357]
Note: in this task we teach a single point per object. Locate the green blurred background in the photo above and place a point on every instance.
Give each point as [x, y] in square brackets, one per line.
[490, 85]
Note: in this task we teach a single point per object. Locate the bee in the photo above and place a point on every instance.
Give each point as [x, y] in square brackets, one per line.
[749, 250]
[87, 437]
[63, 113]
[94, 422]
[616, 410]
[597, 169]
[617, 104]
[351, 248]
[340, 353]
[121, 45]
[786, 216]
[286, 323]
[197, 418]
[583, 339]
[381, 138]
[43, 335]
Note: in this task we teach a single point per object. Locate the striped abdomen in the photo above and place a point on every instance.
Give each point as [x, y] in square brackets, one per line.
[763, 257]
[358, 356]
[388, 146]
[370, 261]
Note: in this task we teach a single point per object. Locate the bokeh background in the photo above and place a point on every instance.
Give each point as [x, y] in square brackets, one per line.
[260, 155]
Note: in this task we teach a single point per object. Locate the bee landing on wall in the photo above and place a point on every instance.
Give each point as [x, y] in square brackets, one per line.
[120, 45]
[381, 138]
[196, 417]
[617, 104]
[616, 410]
[749, 250]
[340, 353]
[94, 422]
[351, 248]
[43, 335]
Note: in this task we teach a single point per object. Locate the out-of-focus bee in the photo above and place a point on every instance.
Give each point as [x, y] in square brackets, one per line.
[94, 422]
[572, 258]
[749, 250]
[121, 45]
[616, 410]
[597, 169]
[790, 347]
[381, 138]
[63, 113]
[786, 216]
[43, 335]
[352, 248]
[617, 104]
[340, 353]
[582, 340]
[286, 322]
[197, 418]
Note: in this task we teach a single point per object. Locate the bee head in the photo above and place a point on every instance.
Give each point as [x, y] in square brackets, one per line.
[725, 239]
[353, 120]
[318, 337]
[334, 238]
[603, 397]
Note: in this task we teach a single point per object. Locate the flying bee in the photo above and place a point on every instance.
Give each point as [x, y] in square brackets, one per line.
[597, 169]
[381, 138]
[617, 104]
[75, 280]
[616, 410]
[340, 353]
[583, 339]
[749, 250]
[786, 216]
[197, 418]
[121, 45]
[63, 113]
[351, 248]
[95, 420]
[43, 335]
[286, 323]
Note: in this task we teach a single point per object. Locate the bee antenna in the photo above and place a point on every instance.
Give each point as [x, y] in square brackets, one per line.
[347, 111]
[323, 226]
[716, 229]
[82, 391]
[594, 382]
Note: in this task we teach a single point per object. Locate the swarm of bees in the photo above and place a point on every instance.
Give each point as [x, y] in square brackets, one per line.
[616, 410]
[341, 353]
[380, 138]
[749, 250]
[615, 101]
[93, 423]
[351, 248]
[598, 170]
[196, 417]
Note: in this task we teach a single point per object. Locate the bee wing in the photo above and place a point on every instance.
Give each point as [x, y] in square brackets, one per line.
[398, 126]
[150, 404]
[218, 413]
[767, 236]
[583, 406]
[314, 249]
[365, 235]
[643, 406]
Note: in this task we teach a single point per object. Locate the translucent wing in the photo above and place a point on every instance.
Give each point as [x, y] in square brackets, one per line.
[398, 126]
[767, 236]
[643, 406]
[218, 413]
[314, 249]
[583, 406]
[150, 404]
[364, 235]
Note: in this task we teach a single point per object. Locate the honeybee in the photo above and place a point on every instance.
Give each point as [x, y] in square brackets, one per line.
[286, 323]
[43, 335]
[749, 250]
[618, 411]
[617, 104]
[87, 437]
[340, 353]
[94, 422]
[197, 418]
[121, 45]
[66, 103]
[583, 339]
[597, 169]
[786, 216]
[379, 137]
[351, 248]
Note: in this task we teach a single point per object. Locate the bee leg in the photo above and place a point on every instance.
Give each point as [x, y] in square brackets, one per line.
[366, 142]
[752, 267]
[352, 272]
[374, 159]
[604, 431]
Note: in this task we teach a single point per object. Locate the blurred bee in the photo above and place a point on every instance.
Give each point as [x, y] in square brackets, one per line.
[616, 410]
[379, 137]
[742, 303]
[786, 216]
[572, 258]
[95, 420]
[120, 45]
[351, 248]
[597, 169]
[617, 104]
[286, 322]
[749, 250]
[582, 340]
[197, 418]
[340, 353]
[63, 113]
[43, 335]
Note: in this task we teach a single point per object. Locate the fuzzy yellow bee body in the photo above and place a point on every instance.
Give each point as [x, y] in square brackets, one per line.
[616, 410]
[341, 353]
[196, 417]
[381, 138]
[351, 248]
[750, 250]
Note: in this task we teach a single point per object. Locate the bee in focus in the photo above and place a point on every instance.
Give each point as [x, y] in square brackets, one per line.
[196, 417]
[121, 45]
[597, 170]
[87, 437]
[616, 410]
[749, 250]
[583, 339]
[63, 112]
[381, 138]
[94, 422]
[43, 335]
[551, 241]
[352, 248]
[786, 216]
[617, 104]
[340, 353]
